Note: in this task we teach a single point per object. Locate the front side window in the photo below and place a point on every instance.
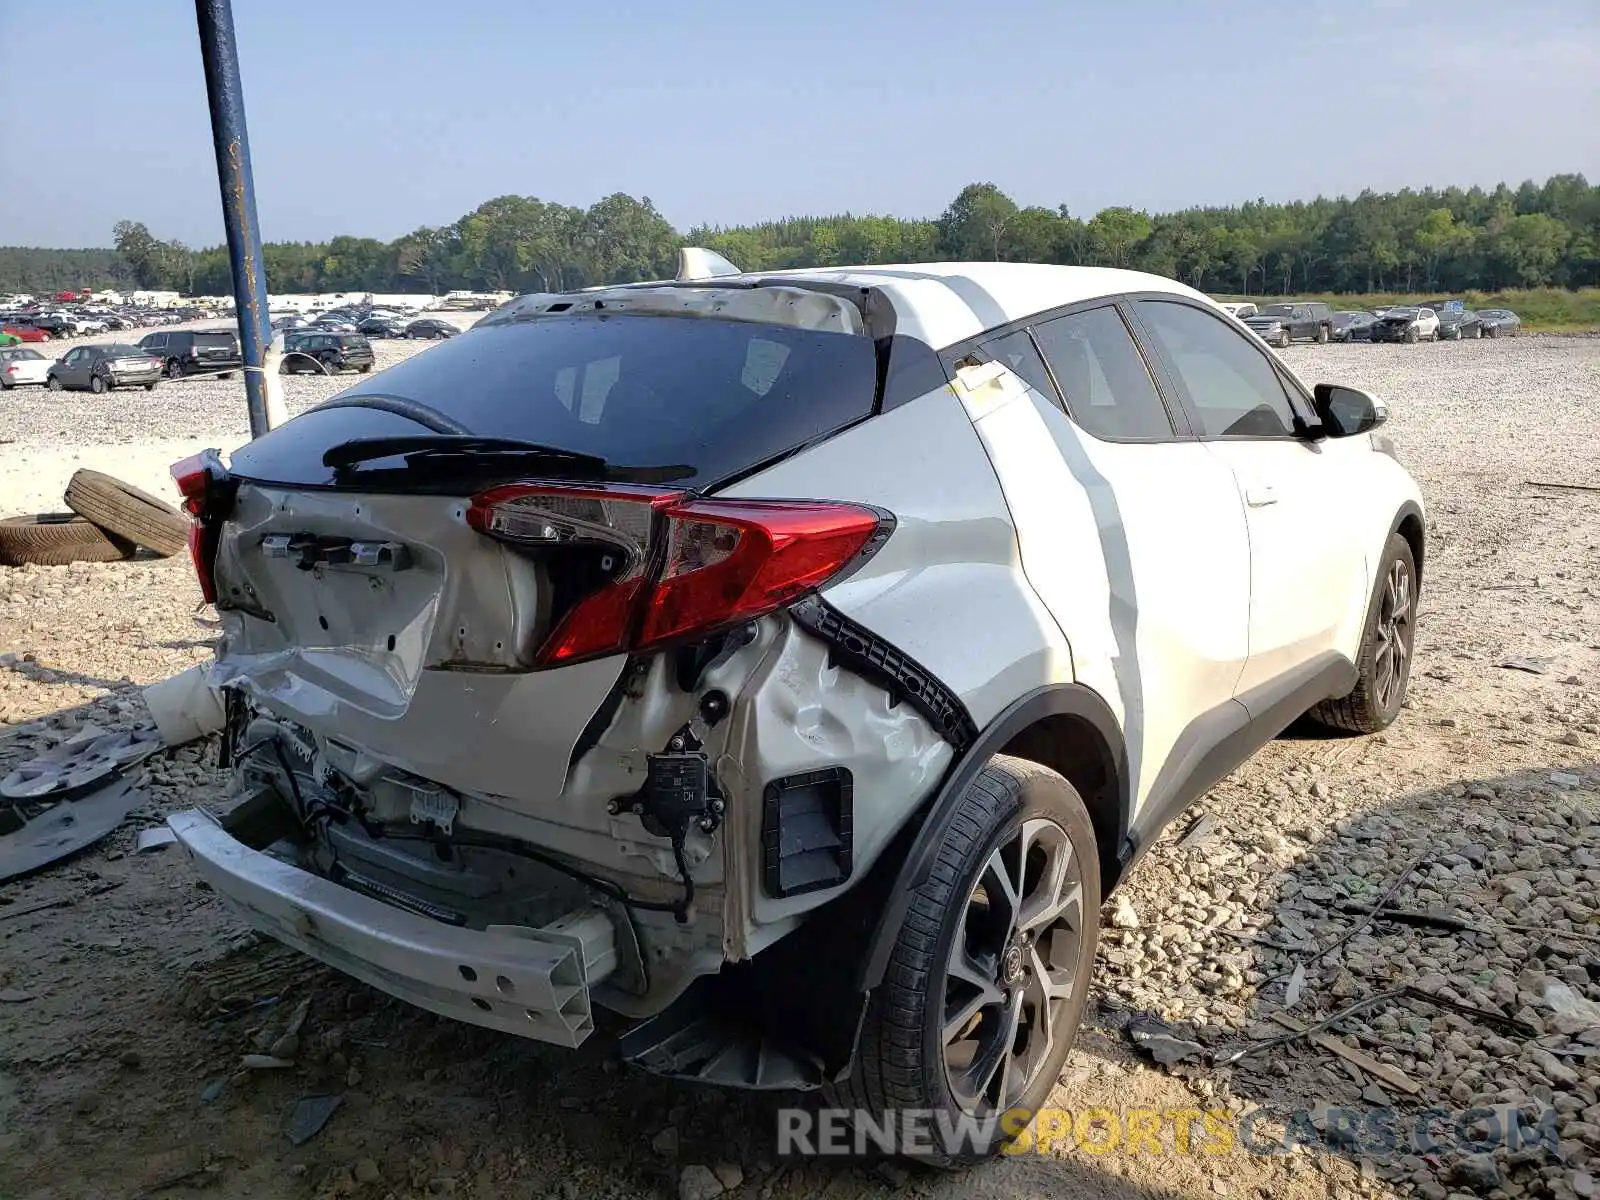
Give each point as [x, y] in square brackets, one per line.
[1232, 390]
[1102, 376]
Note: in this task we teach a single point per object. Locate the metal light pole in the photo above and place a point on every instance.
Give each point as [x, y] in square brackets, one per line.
[225, 94]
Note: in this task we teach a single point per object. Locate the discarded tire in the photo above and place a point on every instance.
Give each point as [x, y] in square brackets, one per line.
[124, 510]
[56, 539]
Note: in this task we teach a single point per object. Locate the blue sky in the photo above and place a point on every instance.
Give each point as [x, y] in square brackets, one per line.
[375, 118]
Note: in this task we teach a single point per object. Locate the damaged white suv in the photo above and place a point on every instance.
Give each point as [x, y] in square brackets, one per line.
[787, 663]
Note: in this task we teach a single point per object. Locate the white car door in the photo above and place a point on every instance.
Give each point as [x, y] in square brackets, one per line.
[1428, 324]
[1131, 532]
[1309, 575]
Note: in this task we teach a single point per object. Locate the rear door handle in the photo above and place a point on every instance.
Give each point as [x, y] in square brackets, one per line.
[1260, 495]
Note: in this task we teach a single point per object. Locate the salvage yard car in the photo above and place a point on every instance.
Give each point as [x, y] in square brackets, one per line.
[19, 365]
[1280, 324]
[1404, 323]
[1499, 322]
[789, 663]
[1353, 326]
[1458, 323]
[185, 352]
[102, 368]
[330, 352]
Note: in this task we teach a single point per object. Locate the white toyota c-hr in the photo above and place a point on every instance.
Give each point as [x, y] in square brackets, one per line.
[789, 663]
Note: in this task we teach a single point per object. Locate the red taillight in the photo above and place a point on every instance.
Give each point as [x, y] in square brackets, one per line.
[675, 567]
[197, 478]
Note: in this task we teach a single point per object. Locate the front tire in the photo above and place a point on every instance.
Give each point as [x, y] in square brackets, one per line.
[990, 970]
[54, 383]
[1383, 667]
[1411, 337]
[1322, 335]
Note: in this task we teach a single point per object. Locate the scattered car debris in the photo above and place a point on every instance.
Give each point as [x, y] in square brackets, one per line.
[1534, 666]
[1201, 832]
[155, 838]
[311, 1115]
[264, 1062]
[65, 828]
[85, 761]
[1393, 1076]
[1297, 984]
[1159, 1041]
[185, 708]
[16, 996]
[58, 901]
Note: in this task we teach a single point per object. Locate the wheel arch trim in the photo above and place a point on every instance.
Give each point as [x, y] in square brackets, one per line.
[1055, 700]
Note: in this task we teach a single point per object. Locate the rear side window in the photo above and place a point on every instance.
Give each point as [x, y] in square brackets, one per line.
[1102, 376]
[215, 341]
[1231, 388]
[699, 398]
[1017, 351]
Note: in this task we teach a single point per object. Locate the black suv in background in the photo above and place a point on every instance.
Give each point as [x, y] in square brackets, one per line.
[188, 352]
[1280, 324]
[334, 351]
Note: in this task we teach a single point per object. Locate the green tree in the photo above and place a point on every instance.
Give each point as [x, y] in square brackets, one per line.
[975, 224]
[1114, 232]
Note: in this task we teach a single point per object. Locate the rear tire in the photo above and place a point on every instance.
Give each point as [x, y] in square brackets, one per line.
[149, 387]
[174, 369]
[1491, 332]
[1322, 335]
[97, 384]
[964, 982]
[1383, 667]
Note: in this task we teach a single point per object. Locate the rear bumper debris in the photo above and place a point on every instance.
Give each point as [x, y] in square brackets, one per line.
[534, 983]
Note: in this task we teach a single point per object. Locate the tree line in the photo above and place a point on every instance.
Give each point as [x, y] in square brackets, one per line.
[1453, 239]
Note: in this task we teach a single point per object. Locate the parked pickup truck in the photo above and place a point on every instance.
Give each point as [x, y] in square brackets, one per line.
[1280, 324]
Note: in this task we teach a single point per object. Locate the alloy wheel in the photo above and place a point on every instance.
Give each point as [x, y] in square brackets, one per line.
[1396, 629]
[1010, 972]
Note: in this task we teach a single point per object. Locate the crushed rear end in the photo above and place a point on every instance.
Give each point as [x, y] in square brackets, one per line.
[496, 654]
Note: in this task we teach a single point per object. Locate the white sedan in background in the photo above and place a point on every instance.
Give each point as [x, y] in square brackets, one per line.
[21, 365]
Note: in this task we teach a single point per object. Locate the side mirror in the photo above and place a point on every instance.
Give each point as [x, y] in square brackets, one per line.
[1347, 411]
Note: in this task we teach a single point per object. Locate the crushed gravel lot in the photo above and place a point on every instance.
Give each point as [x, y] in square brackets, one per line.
[122, 1029]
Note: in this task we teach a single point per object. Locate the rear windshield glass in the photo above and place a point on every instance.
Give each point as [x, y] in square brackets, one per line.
[706, 397]
[218, 340]
[1277, 310]
[122, 350]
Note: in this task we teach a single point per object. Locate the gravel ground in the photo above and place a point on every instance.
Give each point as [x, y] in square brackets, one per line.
[1481, 807]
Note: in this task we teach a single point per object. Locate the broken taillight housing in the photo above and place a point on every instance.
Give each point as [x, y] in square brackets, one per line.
[201, 481]
[676, 567]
